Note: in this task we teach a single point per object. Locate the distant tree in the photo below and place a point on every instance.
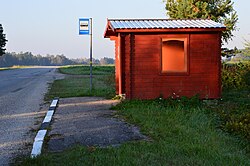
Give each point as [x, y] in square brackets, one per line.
[27, 58]
[106, 61]
[80, 61]
[96, 61]
[225, 52]
[2, 41]
[7, 60]
[218, 10]
[246, 50]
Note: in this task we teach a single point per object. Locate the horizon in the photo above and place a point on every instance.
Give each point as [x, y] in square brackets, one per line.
[71, 58]
[51, 27]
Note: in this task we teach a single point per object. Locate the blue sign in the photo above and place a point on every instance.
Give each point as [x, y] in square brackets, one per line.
[84, 26]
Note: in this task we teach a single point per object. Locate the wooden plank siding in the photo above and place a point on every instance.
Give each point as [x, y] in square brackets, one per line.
[143, 77]
[117, 64]
[127, 66]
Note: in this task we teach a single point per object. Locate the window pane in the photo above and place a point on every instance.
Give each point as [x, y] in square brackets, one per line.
[173, 56]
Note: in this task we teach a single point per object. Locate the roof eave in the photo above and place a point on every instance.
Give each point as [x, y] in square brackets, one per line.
[151, 30]
[109, 31]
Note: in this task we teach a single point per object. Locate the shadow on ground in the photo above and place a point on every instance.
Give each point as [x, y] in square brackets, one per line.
[88, 121]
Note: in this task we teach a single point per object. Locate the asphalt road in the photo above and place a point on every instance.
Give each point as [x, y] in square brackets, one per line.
[21, 104]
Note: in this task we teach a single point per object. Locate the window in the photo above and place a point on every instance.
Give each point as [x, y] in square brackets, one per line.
[174, 55]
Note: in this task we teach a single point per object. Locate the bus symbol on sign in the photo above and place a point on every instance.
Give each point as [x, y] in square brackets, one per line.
[84, 26]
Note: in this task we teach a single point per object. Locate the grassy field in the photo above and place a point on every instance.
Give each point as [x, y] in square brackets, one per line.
[181, 132]
[15, 67]
[10, 68]
[77, 82]
[84, 70]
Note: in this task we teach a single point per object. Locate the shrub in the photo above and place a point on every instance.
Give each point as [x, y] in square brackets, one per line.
[235, 122]
[236, 76]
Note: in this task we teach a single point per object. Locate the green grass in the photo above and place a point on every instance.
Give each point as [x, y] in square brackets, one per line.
[1, 69]
[85, 70]
[180, 132]
[10, 68]
[234, 113]
[14, 67]
[78, 85]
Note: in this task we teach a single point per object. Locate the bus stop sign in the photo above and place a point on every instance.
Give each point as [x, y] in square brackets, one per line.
[84, 26]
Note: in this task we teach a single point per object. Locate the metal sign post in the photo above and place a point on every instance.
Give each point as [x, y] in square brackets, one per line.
[85, 28]
[90, 59]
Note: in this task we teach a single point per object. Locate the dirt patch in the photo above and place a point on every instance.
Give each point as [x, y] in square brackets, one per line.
[88, 121]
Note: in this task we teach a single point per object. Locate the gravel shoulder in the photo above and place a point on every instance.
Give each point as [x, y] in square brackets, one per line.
[88, 121]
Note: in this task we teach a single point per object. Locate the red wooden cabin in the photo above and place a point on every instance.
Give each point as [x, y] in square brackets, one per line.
[169, 58]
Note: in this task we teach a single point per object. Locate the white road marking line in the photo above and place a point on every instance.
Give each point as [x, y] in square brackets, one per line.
[47, 119]
[50, 113]
[40, 135]
[54, 103]
[37, 149]
[37, 145]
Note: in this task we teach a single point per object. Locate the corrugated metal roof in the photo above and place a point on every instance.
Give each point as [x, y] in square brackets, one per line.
[163, 24]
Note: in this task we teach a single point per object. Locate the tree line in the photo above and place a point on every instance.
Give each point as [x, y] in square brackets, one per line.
[27, 58]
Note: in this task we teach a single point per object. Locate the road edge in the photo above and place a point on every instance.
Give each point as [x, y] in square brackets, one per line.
[39, 139]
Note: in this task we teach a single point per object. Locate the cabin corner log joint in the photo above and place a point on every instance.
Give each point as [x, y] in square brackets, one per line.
[166, 57]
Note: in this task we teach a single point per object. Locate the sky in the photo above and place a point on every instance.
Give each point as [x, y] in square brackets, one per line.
[51, 26]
